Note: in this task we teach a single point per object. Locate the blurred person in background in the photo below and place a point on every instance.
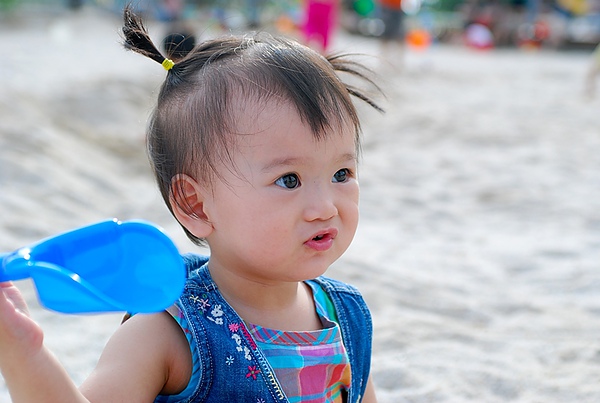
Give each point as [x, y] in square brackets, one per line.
[320, 20]
[392, 16]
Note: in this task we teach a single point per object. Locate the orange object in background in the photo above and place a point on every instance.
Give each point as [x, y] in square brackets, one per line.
[285, 25]
[418, 39]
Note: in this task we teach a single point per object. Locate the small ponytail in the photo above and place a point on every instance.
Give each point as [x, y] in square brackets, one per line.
[137, 39]
[342, 63]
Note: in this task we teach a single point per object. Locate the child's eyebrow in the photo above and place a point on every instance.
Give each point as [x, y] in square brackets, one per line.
[282, 162]
[291, 161]
[348, 157]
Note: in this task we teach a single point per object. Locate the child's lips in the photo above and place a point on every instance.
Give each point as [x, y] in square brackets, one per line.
[322, 240]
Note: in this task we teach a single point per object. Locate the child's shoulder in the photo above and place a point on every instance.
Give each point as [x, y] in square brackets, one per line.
[346, 298]
[329, 284]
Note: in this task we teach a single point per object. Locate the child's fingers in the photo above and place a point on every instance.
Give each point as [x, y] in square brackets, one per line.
[5, 288]
[11, 294]
[6, 284]
[18, 332]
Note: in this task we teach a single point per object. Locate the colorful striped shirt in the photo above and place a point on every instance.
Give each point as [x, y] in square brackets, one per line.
[312, 367]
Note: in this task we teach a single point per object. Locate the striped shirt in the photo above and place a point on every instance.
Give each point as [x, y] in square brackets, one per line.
[310, 366]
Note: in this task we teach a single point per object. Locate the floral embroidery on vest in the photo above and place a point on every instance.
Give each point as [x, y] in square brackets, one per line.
[252, 372]
[214, 313]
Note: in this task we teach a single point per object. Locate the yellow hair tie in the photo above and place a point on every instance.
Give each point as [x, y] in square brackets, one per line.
[168, 64]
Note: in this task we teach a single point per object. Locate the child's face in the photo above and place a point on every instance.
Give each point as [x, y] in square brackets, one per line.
[289, 208]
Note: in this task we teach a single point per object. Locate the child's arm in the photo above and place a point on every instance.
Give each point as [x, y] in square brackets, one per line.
[31, 372]
[146, 356]
[369, 396]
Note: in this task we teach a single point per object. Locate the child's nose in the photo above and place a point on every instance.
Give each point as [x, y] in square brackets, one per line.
[320, 204]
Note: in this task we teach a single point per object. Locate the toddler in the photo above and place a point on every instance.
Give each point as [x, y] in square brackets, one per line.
[254, 142]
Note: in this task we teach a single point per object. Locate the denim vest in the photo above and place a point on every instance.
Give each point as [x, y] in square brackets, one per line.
[233, 368]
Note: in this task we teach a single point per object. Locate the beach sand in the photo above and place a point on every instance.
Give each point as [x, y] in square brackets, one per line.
[478, 249]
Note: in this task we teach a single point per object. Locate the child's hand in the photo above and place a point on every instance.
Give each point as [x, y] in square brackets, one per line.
[19, 334]
[31, 372]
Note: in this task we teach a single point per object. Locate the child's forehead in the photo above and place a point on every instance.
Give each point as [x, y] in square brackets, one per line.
[249, 112]
[278, 128]
[253, 114]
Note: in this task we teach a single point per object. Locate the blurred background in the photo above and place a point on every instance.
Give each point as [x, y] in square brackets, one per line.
[531, 23]
[478, 248]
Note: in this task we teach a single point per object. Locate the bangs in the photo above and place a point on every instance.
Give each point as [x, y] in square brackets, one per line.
[281, 69]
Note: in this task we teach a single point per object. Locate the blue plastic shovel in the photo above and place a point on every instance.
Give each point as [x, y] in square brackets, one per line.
[110, 266]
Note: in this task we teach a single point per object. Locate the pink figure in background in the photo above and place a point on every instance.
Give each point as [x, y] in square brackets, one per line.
[320, 20]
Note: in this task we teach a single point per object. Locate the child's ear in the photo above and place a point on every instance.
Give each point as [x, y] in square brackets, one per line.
[187, 201]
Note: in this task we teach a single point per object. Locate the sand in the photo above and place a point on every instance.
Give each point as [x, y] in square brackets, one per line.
[478, 248]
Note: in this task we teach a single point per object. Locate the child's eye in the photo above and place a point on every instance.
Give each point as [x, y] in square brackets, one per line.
[288, 181]
[341, 175]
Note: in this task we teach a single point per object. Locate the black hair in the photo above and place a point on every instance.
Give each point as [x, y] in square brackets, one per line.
[193, 127]
[178, 42]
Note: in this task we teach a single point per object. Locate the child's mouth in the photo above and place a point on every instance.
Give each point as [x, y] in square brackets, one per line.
[322, 241]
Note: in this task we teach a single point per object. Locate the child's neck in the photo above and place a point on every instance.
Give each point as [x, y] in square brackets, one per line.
[284, 306]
